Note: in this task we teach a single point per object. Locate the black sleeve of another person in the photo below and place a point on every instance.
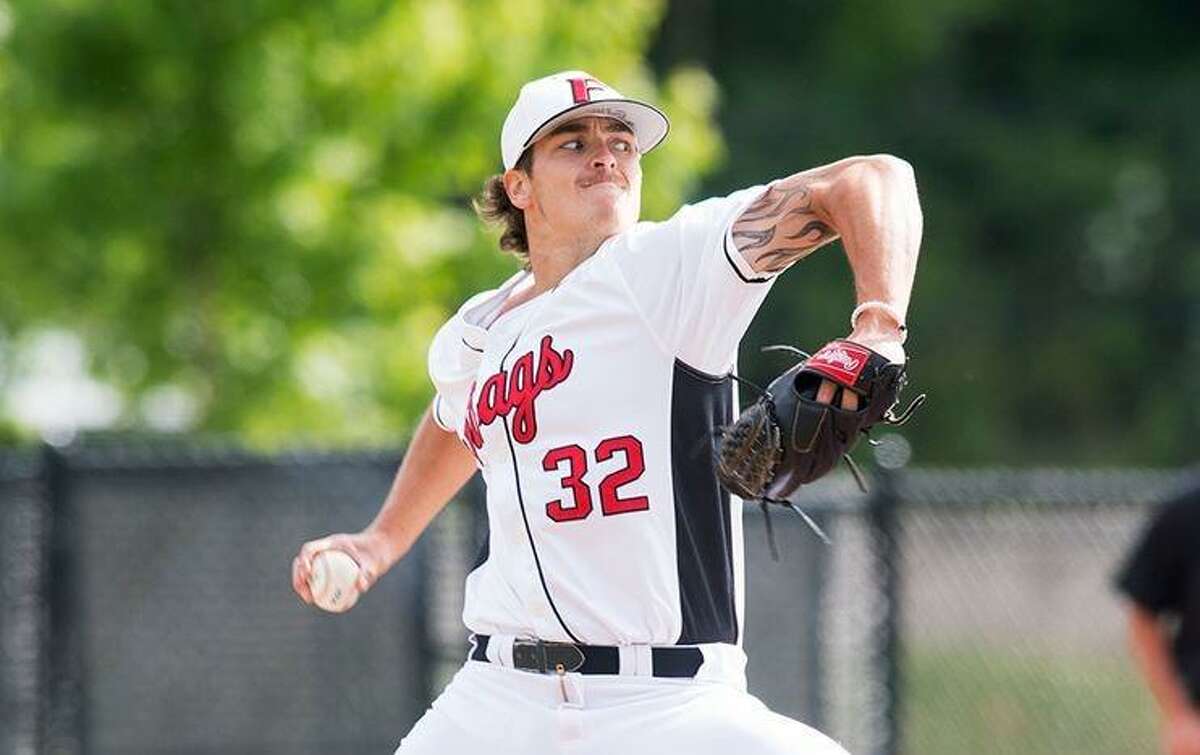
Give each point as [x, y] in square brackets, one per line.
[1154, 574]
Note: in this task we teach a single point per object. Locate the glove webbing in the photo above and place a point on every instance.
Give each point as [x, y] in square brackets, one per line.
[764, 502]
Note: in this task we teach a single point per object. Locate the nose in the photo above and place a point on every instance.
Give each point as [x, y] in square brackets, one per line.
[603, 156]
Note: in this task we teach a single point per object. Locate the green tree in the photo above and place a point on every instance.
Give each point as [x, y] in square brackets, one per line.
[263, 207]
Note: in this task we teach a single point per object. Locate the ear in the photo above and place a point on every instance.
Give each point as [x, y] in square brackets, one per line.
[519, 186]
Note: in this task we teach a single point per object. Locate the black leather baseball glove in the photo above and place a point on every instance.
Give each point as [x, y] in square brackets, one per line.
[787, 439]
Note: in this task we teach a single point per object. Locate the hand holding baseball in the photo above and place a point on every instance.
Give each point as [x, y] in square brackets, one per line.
[332, 572]
[334, 581]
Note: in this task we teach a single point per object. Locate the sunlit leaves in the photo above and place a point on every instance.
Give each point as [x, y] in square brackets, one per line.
[256, 215]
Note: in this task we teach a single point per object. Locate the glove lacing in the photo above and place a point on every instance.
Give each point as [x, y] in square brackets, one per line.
[763, 501]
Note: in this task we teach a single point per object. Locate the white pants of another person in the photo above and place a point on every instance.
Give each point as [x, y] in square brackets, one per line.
[491, 710]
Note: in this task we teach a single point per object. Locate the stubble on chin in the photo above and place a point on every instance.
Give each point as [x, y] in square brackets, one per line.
[614, 218]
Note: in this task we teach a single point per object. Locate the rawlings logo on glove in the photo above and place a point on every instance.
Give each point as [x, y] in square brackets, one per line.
[841, 361]
[787, 438]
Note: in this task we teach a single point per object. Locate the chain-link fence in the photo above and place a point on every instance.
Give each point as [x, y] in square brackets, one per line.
[147, 608]
[972, 611]
[1013, 637]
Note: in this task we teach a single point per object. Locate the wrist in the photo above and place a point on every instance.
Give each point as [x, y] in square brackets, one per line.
[389, 545]
[879, 321]
[889, 347]
[879, 326]
[881, 334]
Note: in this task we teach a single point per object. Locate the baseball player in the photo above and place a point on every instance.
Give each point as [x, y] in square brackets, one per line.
[607, 606]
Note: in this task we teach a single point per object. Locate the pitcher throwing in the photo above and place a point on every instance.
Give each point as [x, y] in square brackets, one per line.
[607, 607]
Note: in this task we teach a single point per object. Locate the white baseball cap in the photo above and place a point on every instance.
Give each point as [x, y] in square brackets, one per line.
[547, 103]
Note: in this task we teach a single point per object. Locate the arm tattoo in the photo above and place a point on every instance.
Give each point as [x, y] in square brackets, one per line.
[780, 228]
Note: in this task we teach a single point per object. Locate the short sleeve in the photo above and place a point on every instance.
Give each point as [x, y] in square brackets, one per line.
[457, 350]
[454, 358]
[691, 284]
[1154, 574]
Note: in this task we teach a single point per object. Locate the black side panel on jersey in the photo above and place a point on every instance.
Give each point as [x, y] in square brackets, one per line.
[485, 541]
[481, 526]
[701, 404]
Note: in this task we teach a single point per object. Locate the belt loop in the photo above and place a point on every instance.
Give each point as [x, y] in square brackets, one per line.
[644, 660]
[627, 660]
[499, 650]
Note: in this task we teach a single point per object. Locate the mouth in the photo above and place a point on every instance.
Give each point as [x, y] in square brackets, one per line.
[604, 178]
[602, 183]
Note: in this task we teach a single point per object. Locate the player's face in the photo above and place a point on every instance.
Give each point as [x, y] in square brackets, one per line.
[587, 179]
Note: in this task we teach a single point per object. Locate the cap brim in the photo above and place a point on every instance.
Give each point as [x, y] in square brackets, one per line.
[648, 123]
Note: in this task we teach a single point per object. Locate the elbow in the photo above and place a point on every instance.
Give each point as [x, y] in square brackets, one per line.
[886, 172]
[893, 166]
[871, 180]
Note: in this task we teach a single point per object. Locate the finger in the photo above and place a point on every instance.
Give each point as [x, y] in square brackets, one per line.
[366, 578]
[310, 549]
[849, 400]
[351, 549]
[369, 567]
[826, 391]
[300, 576]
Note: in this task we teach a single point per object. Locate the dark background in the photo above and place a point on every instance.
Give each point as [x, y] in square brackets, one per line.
[1056, 314]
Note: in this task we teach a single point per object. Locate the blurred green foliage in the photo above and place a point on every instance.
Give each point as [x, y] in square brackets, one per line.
[264, 205]
[9, 434]
[1056, 314]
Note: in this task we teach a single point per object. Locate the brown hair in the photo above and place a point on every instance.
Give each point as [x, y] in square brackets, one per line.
[493, 206]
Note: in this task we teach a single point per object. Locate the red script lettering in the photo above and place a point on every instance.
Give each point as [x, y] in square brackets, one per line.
[515, 391]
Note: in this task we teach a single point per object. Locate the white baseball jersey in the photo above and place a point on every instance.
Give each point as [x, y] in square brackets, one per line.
[592, 411]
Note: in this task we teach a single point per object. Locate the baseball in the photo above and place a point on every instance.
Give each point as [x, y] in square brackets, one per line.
[334, 581]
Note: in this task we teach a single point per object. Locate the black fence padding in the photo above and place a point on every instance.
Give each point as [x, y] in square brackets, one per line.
[22, 608]
[190, 637]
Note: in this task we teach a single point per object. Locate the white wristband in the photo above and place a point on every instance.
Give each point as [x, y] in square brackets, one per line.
[884, 307]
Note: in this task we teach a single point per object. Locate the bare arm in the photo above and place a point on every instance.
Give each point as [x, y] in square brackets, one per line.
[1151, 646]
[434, 468]
[871, 204]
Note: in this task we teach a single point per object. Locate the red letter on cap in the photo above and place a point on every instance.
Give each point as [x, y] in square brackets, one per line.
[580, 90]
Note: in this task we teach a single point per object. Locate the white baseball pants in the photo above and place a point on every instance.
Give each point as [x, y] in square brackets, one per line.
[490, 709]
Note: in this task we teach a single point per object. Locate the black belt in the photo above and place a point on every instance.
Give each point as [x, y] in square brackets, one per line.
[557, 657]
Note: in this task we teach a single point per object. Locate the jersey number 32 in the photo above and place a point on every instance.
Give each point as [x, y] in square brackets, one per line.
[575, 461]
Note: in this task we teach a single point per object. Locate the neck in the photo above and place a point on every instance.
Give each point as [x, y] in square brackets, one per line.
[552, 259]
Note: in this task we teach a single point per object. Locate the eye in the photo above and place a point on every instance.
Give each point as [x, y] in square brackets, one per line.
[573, 144]
[623, 145]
